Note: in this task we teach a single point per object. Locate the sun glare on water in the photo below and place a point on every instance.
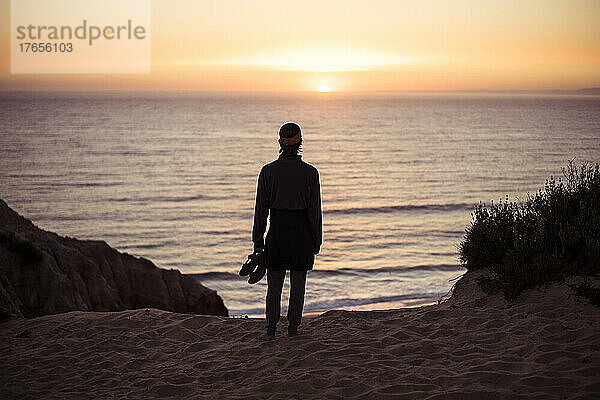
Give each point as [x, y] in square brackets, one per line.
[324, 89]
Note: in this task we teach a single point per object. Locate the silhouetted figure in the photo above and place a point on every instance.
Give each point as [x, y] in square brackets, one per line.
[289, 190]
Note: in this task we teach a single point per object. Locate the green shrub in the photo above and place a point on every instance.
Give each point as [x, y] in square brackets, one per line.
[553, 233]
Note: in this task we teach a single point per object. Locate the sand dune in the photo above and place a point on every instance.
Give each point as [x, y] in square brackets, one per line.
[545, 345]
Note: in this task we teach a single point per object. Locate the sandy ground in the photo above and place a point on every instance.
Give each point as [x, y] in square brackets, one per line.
[545, 345]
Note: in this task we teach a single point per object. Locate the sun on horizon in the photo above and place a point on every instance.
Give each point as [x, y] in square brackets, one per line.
[405, 46]
[324, 89]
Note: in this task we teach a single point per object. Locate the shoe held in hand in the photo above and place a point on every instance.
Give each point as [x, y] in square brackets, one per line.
[257, 275]
[254, 259]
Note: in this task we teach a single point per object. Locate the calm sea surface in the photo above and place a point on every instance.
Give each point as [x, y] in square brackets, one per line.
[172, 177]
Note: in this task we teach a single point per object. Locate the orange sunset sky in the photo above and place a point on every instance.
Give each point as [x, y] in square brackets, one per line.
[375, 45]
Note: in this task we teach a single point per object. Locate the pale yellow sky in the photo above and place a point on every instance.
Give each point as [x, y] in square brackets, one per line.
[351, 45]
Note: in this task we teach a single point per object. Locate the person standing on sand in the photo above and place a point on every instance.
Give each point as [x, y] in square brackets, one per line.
[289, 190]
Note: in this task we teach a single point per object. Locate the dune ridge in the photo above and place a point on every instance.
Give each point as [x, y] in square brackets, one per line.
[544, 345]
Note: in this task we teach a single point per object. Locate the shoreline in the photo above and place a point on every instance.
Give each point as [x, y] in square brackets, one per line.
[316, 312]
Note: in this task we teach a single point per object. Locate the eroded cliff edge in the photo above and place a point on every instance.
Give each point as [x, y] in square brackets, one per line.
[44, 273]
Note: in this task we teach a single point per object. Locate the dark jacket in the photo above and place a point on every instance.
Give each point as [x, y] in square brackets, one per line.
[288, 183]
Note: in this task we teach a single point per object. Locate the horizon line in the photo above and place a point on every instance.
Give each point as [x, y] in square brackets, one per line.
[585, 91]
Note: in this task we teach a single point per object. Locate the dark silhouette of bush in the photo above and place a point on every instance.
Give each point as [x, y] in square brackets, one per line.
[554, 233]
[24, 248]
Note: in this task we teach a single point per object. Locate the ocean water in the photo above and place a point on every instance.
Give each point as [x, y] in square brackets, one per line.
[172, 177]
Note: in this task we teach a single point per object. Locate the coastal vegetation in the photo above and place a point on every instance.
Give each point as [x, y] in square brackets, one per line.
[552, 234]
